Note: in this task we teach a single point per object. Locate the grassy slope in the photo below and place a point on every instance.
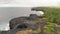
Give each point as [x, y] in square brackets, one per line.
[52, 14]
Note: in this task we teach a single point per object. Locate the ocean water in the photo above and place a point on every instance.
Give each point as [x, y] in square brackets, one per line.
[8, 13]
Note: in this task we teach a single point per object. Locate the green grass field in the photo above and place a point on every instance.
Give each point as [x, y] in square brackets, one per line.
[52, 15]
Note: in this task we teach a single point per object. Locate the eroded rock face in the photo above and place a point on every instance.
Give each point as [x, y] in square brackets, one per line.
[20, 21]
[16, 21]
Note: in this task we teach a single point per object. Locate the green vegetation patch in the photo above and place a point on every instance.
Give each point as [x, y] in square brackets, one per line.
[52, 14]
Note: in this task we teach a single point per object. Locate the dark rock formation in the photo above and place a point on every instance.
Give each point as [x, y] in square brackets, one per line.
[22, 21]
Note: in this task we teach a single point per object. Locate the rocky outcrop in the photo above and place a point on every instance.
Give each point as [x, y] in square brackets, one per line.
[22, 20]
[21, 23]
